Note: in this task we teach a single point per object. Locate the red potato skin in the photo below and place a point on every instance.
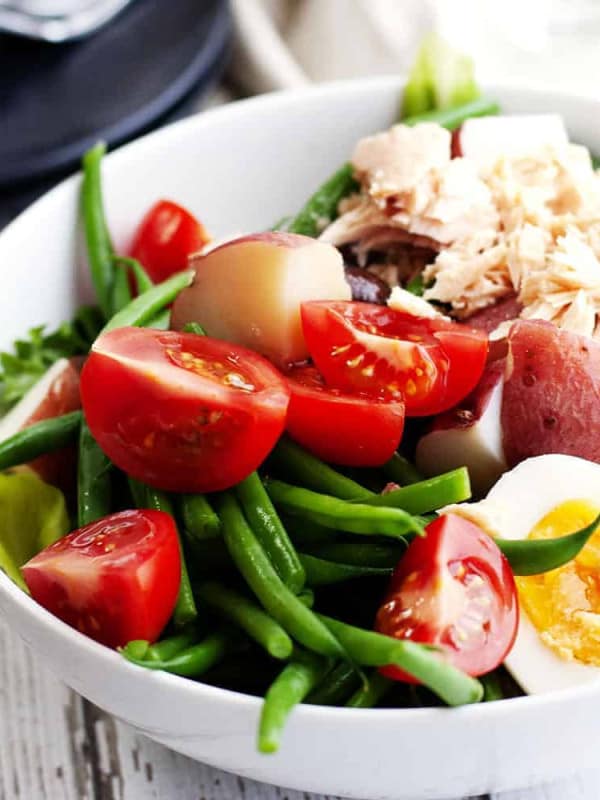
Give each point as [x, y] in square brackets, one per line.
[551, 400]
[488, 319]
[456, 144]
[275, 238]
[473, 407]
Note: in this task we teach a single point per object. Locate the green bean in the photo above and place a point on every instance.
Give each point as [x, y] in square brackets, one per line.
[341, 514]
[370, 695]
[194, 327]
[147, 497]
[138, 493]
[269, 531]
[492, 688]
[248, 616]
[452, 118]
[38, 439]
[421, 661]
[121, 292]
[143, 281]
[321, 207]
[210, 556]
[533, 556]
[321, 573]
[94, 484]
[310, 471]
[161, 322]
[252, 561]
[305, 532]
[193, 661]
[171, 647]
[427, 495]
[384, 556]
[307, 597]
[336, 686]
[137, 648]
[88, 321]
[143, 650]
[200, 520]
[146, 306]
[288, 689]
[99, 246]
[401, 471]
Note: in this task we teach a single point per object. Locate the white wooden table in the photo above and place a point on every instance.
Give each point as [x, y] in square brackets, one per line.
[56, 746]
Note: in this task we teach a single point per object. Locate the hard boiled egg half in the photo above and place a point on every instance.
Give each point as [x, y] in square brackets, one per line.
[558, 641]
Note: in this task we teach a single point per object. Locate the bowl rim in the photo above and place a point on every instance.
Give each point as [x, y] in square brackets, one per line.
[112, 659]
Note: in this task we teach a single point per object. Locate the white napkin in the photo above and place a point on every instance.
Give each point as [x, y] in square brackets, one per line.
[287, 43]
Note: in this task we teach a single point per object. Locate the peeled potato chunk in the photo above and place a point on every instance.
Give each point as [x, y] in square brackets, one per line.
[249, 291]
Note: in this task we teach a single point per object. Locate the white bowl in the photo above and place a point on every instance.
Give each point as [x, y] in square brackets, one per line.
[240, 168]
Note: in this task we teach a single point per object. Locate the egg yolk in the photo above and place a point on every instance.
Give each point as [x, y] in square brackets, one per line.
[564, 604]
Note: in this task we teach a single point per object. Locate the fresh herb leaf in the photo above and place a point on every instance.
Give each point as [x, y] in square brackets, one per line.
[31, 357]
[416, 286]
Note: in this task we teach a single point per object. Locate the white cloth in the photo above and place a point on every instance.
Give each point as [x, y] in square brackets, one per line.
[288, 43]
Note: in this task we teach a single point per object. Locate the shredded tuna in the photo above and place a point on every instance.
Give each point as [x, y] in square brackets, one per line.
[548, 247]
[412, 191]
[524, 226]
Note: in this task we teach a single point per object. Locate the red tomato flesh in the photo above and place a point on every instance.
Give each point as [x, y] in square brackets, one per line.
[350, 429]
[165, 238]
[431, 363]
[182, 412]
[453, 589]
[115, 580]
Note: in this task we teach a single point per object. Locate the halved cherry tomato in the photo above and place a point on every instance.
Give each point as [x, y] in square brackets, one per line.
[350, 429]
[431, 363]
[165, 238]
[115, 580]
[453, 589]
[181, 412]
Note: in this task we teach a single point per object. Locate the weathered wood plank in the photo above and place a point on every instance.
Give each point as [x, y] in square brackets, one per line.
[43, 752]
[151, 771]
[580, 787]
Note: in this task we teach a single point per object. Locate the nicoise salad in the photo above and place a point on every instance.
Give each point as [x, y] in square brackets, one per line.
[351, 460]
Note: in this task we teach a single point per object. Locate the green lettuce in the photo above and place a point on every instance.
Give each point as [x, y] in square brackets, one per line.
[31, 357]
[33, 515]
[440, 78]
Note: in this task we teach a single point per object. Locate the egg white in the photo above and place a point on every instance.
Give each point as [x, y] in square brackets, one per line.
[538, 669]
[536, 486]
[513, 507]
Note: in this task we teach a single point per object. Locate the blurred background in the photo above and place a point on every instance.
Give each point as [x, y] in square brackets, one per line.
[74, 71]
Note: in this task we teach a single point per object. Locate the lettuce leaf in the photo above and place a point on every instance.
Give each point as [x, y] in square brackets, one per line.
[31, 357]
[33, 515]
[440, 78]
